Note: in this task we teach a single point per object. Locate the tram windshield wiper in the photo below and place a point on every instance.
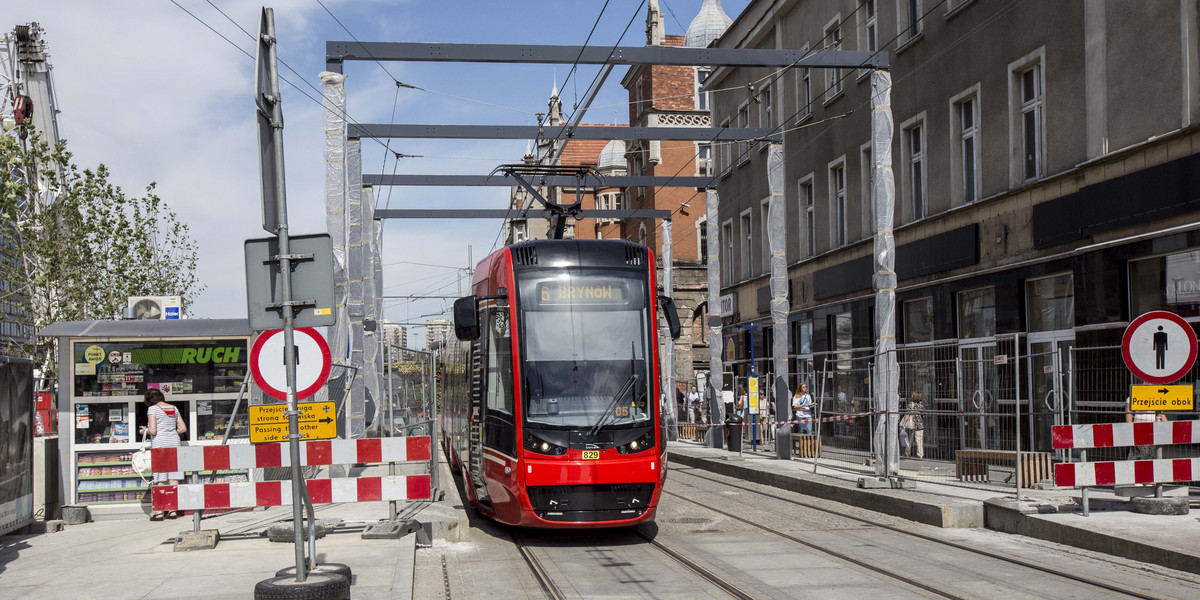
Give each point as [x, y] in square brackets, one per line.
[612, 403]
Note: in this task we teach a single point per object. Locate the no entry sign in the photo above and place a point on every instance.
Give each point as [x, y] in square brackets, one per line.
[1159, 347]
[312, 362]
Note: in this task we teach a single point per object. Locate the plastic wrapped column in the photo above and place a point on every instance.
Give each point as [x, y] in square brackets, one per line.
[883, 195]
[777, 242]
[355, 405]
[716, 409]
[668, 364]
[370, 368]
[335, 223]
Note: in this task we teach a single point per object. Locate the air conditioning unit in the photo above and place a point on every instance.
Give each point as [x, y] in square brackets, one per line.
[156, 307]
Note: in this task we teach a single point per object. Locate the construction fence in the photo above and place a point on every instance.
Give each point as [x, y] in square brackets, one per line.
[967, 408]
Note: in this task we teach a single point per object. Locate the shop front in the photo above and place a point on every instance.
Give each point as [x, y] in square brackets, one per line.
[105, 369]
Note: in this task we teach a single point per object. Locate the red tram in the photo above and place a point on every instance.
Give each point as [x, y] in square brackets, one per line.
[551, 414]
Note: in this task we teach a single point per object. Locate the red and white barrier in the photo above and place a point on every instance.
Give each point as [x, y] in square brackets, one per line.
[1116, 435]
[278, 493]
[263, 456]
[1127, 472]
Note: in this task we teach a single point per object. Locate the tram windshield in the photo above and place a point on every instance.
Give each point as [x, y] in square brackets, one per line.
[585, 334]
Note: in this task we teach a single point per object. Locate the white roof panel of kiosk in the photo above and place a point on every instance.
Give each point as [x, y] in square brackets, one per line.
[190, 328]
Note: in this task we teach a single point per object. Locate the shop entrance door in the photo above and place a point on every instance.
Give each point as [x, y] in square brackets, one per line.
[1048, 353]
[978, 389]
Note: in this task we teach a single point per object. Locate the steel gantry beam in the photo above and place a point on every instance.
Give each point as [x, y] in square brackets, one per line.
[501, 213]
[552, 181]
[529, 132]
[337, 52]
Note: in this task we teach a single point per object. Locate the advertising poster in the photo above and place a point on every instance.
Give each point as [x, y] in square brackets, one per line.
[16, 456]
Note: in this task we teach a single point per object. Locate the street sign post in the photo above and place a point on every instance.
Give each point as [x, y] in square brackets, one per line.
[1159, 347]
[269, 422]
[312, 362]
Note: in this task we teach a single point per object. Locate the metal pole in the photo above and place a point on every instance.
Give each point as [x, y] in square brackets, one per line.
[669, 342]
[236, 405]
[289, 324]
[391, 417]
[1017, 367]
[433, 427]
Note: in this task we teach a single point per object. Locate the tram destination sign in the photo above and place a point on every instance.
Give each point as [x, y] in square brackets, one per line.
[587, 291]
[269, 422]
[1161, 397]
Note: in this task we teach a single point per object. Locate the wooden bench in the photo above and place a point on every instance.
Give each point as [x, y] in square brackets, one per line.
[805, 446]
[972, 465]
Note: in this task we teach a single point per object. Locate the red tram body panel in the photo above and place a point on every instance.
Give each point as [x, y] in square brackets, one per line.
[551, 414]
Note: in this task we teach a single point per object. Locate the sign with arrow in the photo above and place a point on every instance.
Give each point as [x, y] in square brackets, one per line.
[1161, 397]
[269, 422]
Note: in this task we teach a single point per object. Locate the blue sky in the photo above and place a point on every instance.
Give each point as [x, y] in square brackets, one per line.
[152, 93]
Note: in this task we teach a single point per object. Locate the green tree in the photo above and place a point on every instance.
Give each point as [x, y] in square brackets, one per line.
[73, 246]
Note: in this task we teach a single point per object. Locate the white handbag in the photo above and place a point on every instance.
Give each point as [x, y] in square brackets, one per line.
[141, 460]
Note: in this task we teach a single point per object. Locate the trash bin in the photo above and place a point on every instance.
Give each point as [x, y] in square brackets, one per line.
[733, 432]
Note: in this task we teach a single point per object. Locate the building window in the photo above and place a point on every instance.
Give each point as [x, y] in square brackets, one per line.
[701, 95]
[833, 77]
[867, 170]
[803, 93]
[914, 139]
[870, 29]
[809, 227]
[1030, 84]
[723, 151]
[702, 239]
[1050, 303]
[964, 123]
[805, 337]
[766, 113]
[642, 234]
[765, 212]
[639, 97]
[910, 15]
[843, 339]
[704, 167]
[918, 321]
[1169, 282]
[837, 192]
[743, 146]
[727, 257]
[747, 245]
[977, 313]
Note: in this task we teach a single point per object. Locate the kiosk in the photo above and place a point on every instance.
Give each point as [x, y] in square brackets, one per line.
[105, 368]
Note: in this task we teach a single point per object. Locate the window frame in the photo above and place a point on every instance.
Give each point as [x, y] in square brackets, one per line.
[702, 99]
[910, 21]
[866, 171]
[1035, 60]
[837, 201]
[958, 139]
[746, 244]
[833, 76]
[803, 92]
[912, 163]
[743, 146]
[958, 312]
[868, 30]
[726, 257]
[764, 211]
[806, 195]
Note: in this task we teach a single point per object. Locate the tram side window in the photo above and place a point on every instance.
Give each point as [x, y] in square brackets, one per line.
[499, 364]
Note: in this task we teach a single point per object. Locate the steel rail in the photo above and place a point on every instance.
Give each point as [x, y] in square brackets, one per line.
[539, 572]
[705, 574]
[1110, 586]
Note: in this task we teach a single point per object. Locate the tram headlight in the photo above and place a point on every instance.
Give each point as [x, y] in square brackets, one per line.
[643, 443]
[536, 444]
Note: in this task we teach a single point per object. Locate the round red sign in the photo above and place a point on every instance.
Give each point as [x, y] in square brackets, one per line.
[1159, 347]
[313, 362]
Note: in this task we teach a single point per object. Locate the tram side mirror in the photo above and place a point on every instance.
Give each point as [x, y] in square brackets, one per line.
[466, 318]
[672, 316]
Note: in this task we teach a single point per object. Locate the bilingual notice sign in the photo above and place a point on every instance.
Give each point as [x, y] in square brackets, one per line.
[1159, 347]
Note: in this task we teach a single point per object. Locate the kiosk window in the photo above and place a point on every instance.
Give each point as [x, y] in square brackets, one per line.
[97, 423]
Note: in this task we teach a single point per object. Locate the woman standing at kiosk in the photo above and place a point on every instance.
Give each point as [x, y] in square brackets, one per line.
[165, 425]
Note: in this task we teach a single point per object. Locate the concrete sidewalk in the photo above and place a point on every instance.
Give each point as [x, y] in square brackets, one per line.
[1053, 515]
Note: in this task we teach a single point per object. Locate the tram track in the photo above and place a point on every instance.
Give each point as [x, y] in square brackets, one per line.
[553, 592]
[893, 573]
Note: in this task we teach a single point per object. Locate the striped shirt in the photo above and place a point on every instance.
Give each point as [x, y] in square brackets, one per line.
[165, 436]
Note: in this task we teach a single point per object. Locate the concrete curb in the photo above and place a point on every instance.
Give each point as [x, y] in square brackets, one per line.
[931, 509]
[1009, 516]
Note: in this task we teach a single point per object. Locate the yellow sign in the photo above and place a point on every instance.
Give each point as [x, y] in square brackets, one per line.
[269, 423]
[752, 384]
[1161, 397]
[94, 355]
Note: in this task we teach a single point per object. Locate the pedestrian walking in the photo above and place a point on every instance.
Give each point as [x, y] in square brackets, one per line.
[914, 425]
[164, 425]
[802, 404]
[693, 402]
